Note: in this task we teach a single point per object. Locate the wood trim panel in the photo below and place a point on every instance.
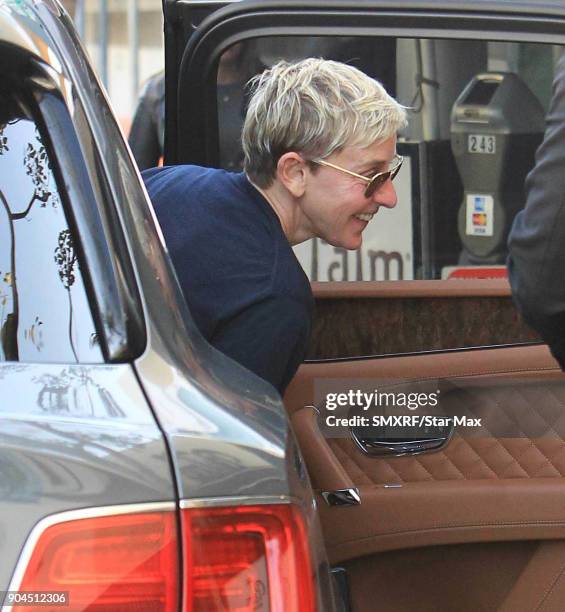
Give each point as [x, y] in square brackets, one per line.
[456, 288]
[366, 326]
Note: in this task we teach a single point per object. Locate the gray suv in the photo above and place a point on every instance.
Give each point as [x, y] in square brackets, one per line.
[140, 469]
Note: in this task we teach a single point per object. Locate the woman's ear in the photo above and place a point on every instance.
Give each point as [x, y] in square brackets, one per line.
[292, 172]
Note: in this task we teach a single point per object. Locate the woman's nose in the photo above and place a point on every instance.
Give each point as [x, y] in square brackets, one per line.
[386, 195]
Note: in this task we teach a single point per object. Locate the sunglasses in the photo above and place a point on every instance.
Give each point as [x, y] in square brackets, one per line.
[374, 182]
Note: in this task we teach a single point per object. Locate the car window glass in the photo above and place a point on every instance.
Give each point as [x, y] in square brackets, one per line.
[476, 117]
[44, 310]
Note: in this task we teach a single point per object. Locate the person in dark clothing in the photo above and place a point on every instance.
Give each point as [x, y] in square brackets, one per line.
[536, 242]
[319, 141]
[147, 133]
[241, 282]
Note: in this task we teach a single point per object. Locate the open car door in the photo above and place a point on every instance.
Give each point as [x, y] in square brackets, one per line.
[451, 496]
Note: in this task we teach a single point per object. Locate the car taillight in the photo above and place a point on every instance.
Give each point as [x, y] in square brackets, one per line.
[111, 563]
[246, 558]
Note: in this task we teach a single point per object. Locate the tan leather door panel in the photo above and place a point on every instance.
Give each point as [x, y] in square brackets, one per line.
[486, 492]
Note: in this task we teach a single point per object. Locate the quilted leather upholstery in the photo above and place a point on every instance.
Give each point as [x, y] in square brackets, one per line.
[522, 436]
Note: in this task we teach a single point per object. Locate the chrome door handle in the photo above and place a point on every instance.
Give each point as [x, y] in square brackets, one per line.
[398, 447]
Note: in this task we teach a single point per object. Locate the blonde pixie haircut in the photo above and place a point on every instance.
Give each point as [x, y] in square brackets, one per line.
[314, 107]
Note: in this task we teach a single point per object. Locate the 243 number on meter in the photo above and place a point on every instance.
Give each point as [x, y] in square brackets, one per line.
[481, 143]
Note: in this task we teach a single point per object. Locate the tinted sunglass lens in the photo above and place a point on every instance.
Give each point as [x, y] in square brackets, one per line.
[376, 183]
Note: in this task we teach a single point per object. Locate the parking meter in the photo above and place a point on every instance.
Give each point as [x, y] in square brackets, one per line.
[496, 125]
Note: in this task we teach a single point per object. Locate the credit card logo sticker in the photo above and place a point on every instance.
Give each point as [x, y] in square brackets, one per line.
[479, 218]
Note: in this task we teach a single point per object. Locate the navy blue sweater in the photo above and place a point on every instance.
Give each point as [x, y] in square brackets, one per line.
[243, 284]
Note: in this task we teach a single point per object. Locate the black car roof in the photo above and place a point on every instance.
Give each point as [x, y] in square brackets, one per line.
[523, 7]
